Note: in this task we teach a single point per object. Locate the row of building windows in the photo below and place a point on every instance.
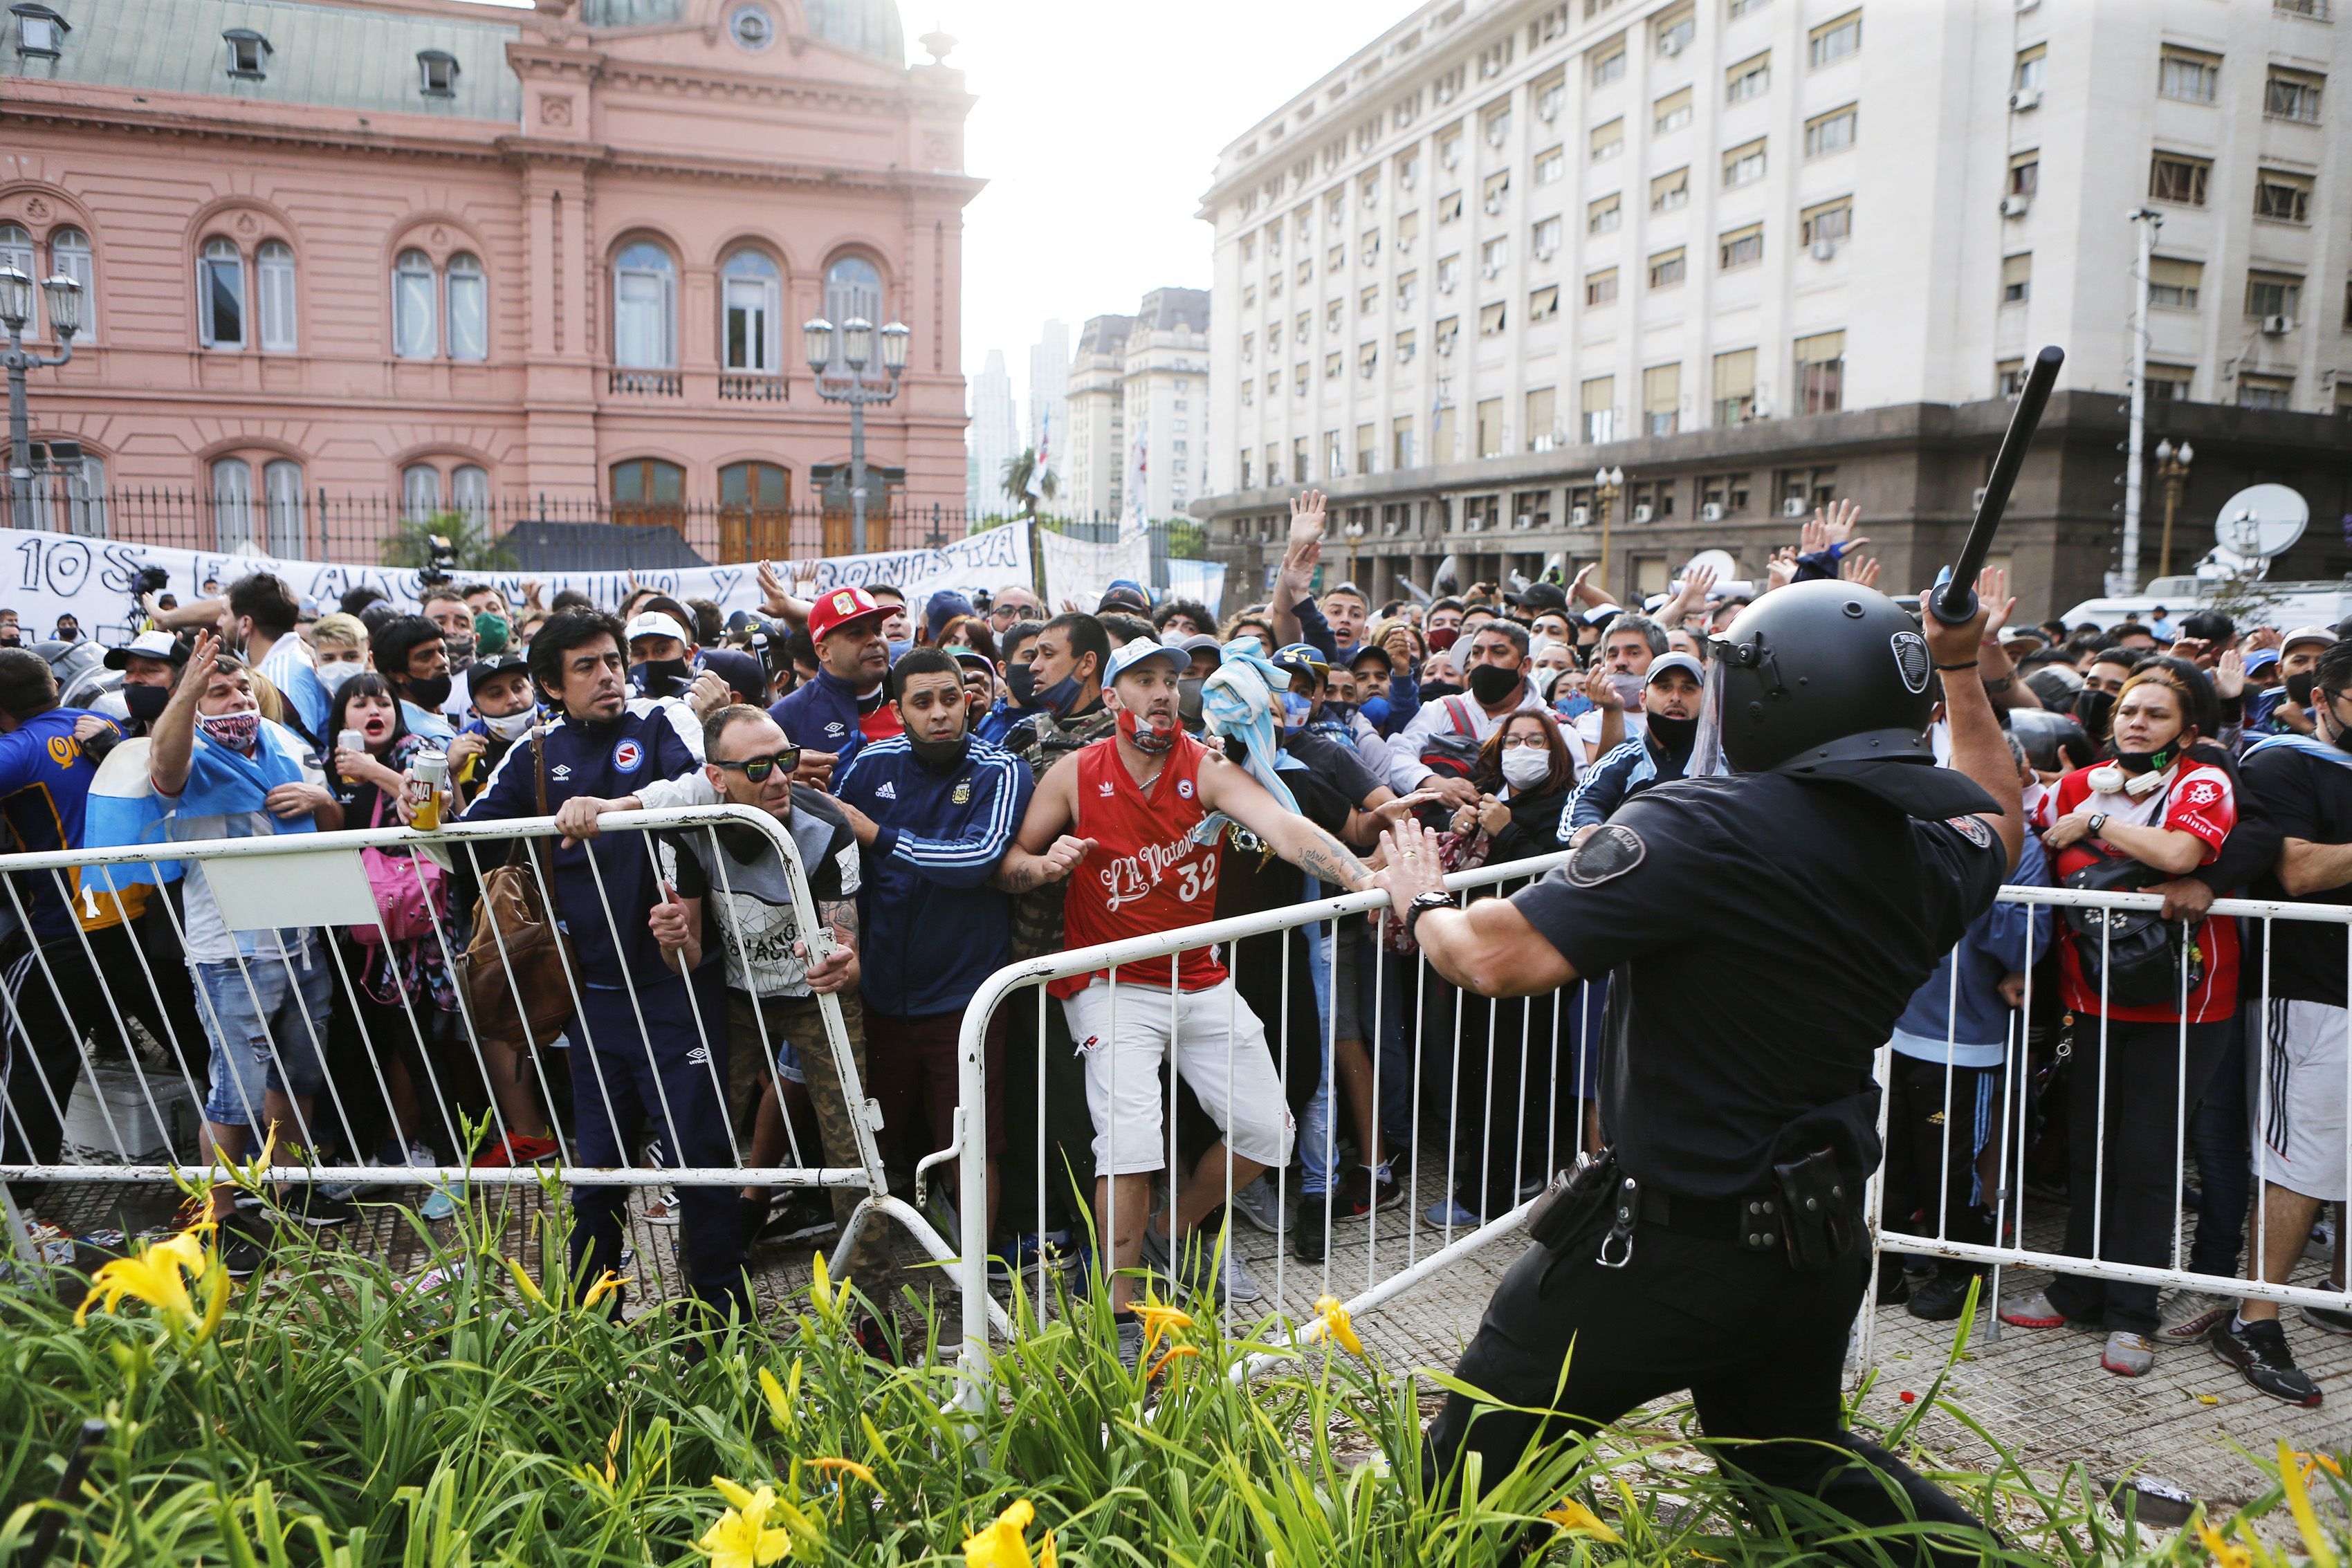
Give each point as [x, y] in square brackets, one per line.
[247, 299]
[2183, 179]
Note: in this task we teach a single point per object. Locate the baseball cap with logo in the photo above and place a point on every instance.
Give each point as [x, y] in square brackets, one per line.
[159, 645]
[654, 623]
[1125, 593]
[1127, 655]
[840, 607]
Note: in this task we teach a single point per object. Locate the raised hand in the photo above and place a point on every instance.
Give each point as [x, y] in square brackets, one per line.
[2229, 676]
[1306, 519]
[1837, 520]
[1861, 568]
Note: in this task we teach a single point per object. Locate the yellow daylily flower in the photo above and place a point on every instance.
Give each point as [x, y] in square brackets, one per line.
[848, 1468]
[523, 1282]
[612, 1456]
[740, 1538]
[216, 1305]
[606, 1283]
[1160, 1319]
[779, 1409]
[2298, 1502]
[157, 1275]
[1160, 1365]
[1338, 1325]
[1045, 1552]
[1574, 1518]
[2224, 1554]
[2318, 1460]
[829, 1297]
[1003, 1545]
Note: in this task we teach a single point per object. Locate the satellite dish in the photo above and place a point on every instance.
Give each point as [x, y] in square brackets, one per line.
[2260, 521]
[1724, 568]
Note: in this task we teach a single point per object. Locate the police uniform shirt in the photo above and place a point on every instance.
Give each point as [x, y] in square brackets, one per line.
[1765, 933]
[2309, 798]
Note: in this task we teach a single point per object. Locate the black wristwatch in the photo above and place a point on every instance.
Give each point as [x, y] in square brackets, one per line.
[1423, 905]
[2097, 822]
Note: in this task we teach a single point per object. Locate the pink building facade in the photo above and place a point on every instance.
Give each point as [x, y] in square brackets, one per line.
[450, 256]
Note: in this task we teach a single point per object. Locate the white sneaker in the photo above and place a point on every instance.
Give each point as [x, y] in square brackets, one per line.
[2190, 1314]
[419, 1154]
[2128, 1354]
[662, 1207]
[1257, 1204]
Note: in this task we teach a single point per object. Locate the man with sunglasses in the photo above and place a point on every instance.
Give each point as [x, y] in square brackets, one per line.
[638, 1019]
[935, 809]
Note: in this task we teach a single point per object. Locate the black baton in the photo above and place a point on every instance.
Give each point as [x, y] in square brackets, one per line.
[1955, 599]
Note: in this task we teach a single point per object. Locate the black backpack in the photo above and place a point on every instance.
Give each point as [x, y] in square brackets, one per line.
[2142, 958]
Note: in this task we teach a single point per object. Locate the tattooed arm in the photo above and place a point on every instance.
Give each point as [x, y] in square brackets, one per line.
[838, 970]
[1042, 851]
[1293, 837]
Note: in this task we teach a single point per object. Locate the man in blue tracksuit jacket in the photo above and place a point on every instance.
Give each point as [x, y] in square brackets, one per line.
[935, 810]
[599, 750]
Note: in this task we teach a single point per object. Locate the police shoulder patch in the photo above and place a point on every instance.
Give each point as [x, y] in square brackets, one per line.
[1972, 828]
[1613, 849]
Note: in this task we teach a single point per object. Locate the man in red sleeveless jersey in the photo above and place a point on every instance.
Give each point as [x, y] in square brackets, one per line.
[1120, 822]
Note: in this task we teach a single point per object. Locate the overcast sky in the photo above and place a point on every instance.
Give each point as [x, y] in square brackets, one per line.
[1096, 128]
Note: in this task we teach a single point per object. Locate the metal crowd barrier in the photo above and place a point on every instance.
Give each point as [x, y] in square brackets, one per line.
[142, 1142]
[2009, 1195]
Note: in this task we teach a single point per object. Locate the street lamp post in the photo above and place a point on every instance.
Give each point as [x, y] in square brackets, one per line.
[1606, 487]
[2172, 467]
[16, 314]
[856, 341]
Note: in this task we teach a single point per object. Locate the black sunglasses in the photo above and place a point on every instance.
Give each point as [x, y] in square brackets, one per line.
[757, 768]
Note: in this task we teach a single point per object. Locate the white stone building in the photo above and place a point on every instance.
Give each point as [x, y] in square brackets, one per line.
[995, 436]
[1757, 251]
[1094, 469]
[1049, 393]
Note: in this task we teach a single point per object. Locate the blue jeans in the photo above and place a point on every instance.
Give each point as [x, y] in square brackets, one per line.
[268, 1029]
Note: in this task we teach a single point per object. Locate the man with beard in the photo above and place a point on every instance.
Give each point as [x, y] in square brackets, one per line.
[846, 705]
[1495, 657]
[1670, 705]
[414, 660]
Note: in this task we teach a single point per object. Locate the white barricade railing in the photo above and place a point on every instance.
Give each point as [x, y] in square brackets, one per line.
[1399, 989]
[2000, 1122]
[87, 1007]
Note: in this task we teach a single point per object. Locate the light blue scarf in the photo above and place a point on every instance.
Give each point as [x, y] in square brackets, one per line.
[1237, 702]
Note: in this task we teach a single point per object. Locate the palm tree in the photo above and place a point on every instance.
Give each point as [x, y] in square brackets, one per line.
[1017, 473]
[475, 548]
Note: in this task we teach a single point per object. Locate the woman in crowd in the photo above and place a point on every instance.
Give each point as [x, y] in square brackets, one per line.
[402, 989]
[2151, 1009]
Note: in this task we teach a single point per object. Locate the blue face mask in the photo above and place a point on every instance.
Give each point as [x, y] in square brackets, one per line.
[1295, 710]
[1058, 698]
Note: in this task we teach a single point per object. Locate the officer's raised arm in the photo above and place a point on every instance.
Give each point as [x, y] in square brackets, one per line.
[1979, 748]
[1490, 947]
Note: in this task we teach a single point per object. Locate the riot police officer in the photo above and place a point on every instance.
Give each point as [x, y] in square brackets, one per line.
[1718, 1243]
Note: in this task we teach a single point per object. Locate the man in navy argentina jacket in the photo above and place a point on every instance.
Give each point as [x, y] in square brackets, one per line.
[935, 810]
[602, 747]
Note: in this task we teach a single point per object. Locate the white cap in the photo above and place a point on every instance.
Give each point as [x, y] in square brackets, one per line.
[654, 623]
[2307, 634]
[158, 645]
[1127, 655]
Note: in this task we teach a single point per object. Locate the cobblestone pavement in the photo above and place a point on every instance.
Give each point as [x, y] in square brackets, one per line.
[2040, 1395]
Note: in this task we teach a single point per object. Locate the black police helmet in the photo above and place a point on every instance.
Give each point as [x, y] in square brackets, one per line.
[1823, 671]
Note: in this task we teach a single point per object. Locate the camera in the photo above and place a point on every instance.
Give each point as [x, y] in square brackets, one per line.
[767, 640]
[440, 566]
[151, 580]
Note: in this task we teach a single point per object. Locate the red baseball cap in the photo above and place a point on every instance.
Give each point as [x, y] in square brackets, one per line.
[837, 607]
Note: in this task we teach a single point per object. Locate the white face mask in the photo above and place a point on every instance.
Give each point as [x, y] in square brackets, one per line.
[333, 675]
[1525, 766]
[511, 727]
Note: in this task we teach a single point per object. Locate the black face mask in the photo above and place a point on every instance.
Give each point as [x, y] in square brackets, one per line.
[939, 755]
[1438, 691]
[146, 703]
[1676, 734]
[2298, 686]
[1021, 680]
[1490, 683]
[1188, 704]
[429, 692]
[2097, 710]
[667, 677]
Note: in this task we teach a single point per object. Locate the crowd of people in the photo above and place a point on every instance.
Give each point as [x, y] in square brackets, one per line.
[978, 780]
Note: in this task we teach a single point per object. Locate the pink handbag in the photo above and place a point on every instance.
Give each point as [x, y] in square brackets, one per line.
[411, 891]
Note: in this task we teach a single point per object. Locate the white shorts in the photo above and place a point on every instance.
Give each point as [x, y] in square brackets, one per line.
[2294, 1097]
[1220, 1052]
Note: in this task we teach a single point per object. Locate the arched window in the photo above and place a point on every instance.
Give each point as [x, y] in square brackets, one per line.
[469, 309]
[755, 502]
[281, 488]
[273, 270]
[220, 299]
[469, 492]
[644, 309]
[17, 250]
[414, 334]
[751, 291]
[231, 503]
[852, 288]
[69, 254]
[420, 491]
[649, 492]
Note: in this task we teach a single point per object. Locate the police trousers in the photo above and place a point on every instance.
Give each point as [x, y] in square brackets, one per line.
[1761, 1347]
[625, 1079]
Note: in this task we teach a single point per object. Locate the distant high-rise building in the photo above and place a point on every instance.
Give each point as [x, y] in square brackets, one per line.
[1093, 464]
[995, 436]
[1049, 395]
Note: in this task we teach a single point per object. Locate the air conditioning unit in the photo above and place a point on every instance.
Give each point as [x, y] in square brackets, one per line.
[1548, 112]
[1449, 158]
[1494, 204]
[2024, 99]
[1670, 46]
[1372, 197]
[1404, 247]
[1524, 520]
[1444, 348]
[1445, 286]
[1794, 506]
[2277, 325]
[1492, 269]
[2015, 206]
[1366, 369]
[1711, 513]
[1977, 498]
[1405, 182]
[1497, 134]
[1642, 514]
[1824, 249]
[1544, 253]
[1579, 517]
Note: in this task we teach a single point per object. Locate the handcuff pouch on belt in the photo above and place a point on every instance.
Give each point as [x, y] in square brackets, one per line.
[1820, 1220]
[1578, 1198]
